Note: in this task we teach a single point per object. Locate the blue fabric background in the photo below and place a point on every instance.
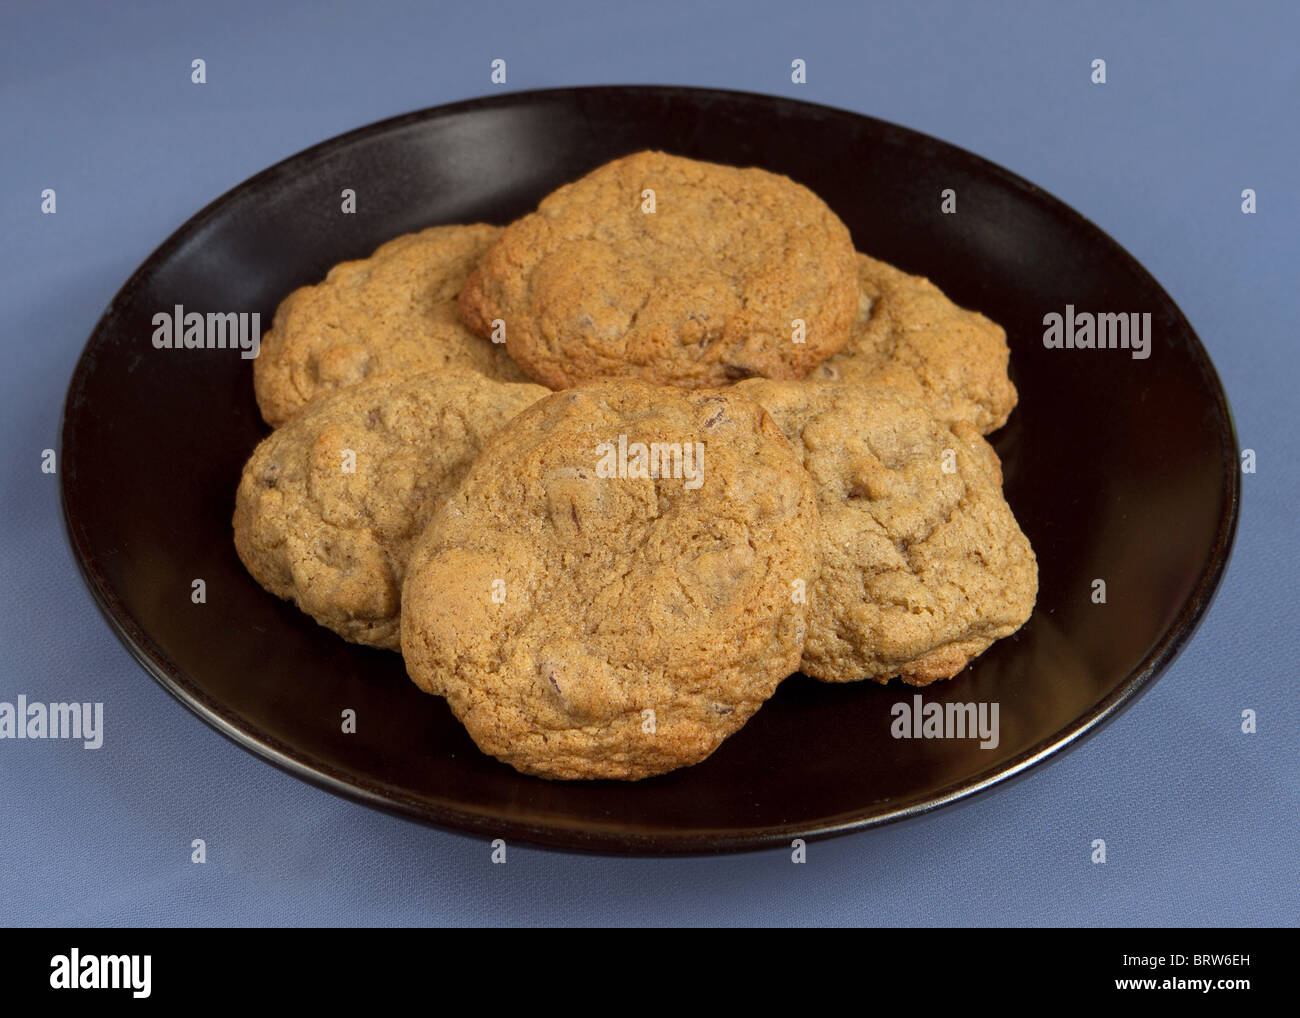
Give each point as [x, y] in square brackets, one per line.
[96, 101]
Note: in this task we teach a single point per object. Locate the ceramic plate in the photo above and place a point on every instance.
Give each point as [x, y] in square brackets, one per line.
[1119, 468]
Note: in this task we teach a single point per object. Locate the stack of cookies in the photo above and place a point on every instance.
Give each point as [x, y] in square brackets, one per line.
[607, 476]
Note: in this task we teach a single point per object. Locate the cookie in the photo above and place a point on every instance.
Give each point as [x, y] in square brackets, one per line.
[330, 504]
[735, 273]
[911, 334]
[613, 588]
[923, 565]
[388, 315]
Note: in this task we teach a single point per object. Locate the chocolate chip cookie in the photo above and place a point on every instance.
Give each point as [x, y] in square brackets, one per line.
[617, 584]
[330, 504]
[671, 270]
[389, 315]
[923, 565]
[908, 332]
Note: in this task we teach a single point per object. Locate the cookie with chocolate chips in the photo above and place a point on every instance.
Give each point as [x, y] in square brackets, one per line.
[614, 588]
[671, 270]
[390, 315]
[923, 565]
[907, 332]
[329, 505]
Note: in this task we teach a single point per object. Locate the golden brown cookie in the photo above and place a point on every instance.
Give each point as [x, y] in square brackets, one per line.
[923, 565]
[611, 591]
[735, 273]
[908, 332]
[330, 504]
[388, 315]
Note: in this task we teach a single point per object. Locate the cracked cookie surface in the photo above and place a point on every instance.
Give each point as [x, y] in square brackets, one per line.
[584, 621]
[909, 333]
[392, 314]
[702, 291]
[335, 541]
[923, 565]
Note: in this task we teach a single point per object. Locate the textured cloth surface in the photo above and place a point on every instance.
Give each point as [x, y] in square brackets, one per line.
[1200, 821]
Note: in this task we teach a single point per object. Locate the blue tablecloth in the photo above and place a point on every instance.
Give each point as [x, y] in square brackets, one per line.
[96, 102]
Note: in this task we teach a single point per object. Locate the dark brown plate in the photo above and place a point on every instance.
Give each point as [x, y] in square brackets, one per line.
[1118, 469]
